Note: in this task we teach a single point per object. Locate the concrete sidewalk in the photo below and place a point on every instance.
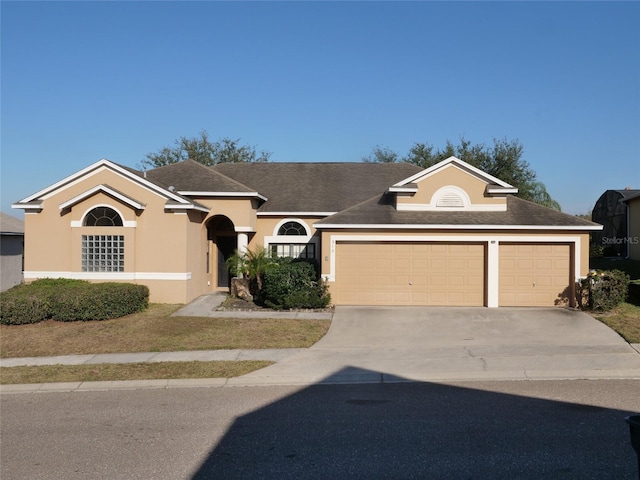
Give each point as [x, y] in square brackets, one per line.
[273, 355]
[400, 344]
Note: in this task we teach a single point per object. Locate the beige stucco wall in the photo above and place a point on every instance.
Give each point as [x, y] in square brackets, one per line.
[634, 228]
[163, 250]
[241, 211]
[451, 176]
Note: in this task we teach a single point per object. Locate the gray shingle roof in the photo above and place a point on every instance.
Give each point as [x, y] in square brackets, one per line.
[628, 193]
[316, 187]
[191, 176]
[11, 225]
[380, 210]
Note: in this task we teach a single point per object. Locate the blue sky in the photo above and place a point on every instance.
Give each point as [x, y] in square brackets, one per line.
[322, 81]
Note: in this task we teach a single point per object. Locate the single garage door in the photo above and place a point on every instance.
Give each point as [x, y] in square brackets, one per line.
[399, 273]
[534, 275]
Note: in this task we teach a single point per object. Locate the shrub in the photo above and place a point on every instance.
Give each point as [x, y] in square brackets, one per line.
[99, 301]
[606, 289]
[17, 308]
[294, 284]
[70, 300]
[596, 250]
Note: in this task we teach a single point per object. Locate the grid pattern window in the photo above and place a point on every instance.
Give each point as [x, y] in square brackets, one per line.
[103, 253]
[294, 250]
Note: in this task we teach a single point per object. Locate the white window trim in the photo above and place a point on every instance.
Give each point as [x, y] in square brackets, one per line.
[125, 223]
[493, 252]
[297, 239]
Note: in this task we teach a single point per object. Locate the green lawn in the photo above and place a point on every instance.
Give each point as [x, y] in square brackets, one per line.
[153, 330]
[624, 319]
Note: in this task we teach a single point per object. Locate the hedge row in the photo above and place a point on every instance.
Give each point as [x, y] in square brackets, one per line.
[70, 300]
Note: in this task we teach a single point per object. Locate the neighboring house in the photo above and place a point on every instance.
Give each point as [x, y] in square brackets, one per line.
[611, 211]
[633, 224]
[11, 248]
[382, 234]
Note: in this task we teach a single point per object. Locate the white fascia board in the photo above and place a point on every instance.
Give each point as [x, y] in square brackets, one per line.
[295, 214]
[453, 161]
[187, 206]
[395, 189]
[103, 188]
[223, 194]
[98, 167]
[27, 206]
[67, 180]
[454, 227]
[502, 190]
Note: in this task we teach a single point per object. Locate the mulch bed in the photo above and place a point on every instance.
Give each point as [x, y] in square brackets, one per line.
[239, 304]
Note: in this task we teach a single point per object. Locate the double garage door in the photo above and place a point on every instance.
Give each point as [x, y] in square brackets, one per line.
[453, 274]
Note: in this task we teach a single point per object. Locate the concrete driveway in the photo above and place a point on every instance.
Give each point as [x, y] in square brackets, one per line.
[391, 344]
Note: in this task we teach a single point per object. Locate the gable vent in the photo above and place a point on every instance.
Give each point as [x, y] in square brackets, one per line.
[450, 199]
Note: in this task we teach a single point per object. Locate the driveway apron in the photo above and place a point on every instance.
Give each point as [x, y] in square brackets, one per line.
[394, 344]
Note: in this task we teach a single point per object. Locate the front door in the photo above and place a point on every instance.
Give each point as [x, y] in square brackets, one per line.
[226, 247]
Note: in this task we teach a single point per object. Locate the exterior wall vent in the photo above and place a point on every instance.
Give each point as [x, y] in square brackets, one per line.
[450, 199]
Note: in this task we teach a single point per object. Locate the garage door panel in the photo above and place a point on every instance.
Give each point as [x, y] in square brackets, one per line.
[416, 274]
[533, 274]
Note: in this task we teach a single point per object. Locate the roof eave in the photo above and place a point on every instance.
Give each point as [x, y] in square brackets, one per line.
[223, 194]
[405, 226]
[27, 205]
[187, 206]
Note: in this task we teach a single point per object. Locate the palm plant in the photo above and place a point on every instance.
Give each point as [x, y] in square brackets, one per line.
[251, 264]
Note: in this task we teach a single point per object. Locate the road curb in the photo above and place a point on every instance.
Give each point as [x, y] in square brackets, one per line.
[309, 380]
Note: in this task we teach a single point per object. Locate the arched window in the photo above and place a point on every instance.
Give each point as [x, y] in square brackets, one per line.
[292, 239]
[292, 228]
[102, 217]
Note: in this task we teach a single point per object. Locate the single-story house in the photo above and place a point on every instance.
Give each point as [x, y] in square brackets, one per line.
[11, 251]
[382, 233]
[633, 226]
[612, 212]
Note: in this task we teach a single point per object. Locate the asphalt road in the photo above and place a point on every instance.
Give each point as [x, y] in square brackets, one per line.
[477, 430]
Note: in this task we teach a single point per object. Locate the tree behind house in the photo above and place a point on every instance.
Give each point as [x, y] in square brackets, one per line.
[203, 150]
[503, 160]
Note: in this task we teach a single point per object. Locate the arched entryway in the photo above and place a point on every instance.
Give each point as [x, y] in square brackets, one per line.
[223, 241]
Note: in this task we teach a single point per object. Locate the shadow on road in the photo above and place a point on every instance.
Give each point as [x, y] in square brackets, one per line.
[423, 431]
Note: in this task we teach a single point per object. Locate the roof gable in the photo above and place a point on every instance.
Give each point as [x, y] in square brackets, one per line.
[489, 179]
[451, 185]
[106, 189]
[35, 201]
